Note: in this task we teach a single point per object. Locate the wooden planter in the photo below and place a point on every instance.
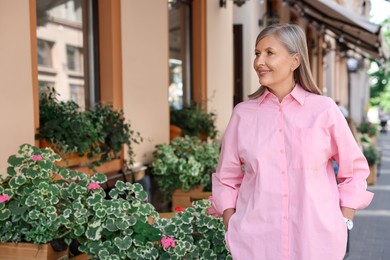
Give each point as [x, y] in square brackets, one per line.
[371, 179]
[184, 199]
[81, 163]
[27, 251]
[174, 131]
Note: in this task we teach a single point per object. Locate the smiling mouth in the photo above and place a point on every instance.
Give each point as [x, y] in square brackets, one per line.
[263, 72]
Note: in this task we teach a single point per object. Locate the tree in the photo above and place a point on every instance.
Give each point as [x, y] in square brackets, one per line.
[380, 76]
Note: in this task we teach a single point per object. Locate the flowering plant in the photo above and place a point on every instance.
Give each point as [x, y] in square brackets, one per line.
[41, 202]
[194, 233]
[34, 207]
[184, 164]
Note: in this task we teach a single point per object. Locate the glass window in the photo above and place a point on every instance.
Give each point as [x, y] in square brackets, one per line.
[44, 53]
[66, 56]
[180, 66]
[74, 57]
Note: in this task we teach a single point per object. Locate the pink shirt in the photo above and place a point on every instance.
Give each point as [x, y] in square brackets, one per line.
[288, 200]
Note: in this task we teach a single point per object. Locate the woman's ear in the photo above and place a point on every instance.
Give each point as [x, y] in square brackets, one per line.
[296, 61]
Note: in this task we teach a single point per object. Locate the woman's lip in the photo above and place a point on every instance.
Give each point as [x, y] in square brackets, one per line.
[263, 72]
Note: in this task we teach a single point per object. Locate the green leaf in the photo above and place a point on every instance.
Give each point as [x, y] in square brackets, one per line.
[11, 171]
[15, 161]
[123, 244]
[4, 214]
[93, 233]
[122, 224]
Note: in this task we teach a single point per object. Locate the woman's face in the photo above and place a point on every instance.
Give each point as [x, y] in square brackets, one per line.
[274, 65]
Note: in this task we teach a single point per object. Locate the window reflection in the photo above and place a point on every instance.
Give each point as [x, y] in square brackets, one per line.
[63, 44]
[180, 86]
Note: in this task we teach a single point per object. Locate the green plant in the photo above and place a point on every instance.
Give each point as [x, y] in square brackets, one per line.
[368, 128]
[34, 206]
[116, 227]
[196, 233]
[100, 132]
[184, 164]
[194, 121]
[371, 154]
[38, 208]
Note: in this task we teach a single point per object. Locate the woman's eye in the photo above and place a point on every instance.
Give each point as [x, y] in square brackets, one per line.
[269, 53]
[257, 54]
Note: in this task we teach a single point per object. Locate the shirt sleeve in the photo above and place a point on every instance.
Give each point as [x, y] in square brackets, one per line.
[353, 167]
[227, 179]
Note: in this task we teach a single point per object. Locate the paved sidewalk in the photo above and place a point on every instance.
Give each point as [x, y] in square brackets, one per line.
[370, 237]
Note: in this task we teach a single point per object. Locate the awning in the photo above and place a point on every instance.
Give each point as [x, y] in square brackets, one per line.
[350, 27]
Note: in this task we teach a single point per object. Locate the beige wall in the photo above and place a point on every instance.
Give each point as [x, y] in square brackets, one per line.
[248, 15]
[220, 62]
[16, 99]
[145, 71]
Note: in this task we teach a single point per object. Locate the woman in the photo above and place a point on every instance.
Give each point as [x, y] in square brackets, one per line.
[275, 184]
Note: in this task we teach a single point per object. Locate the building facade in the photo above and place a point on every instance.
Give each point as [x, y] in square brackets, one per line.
[143, 56]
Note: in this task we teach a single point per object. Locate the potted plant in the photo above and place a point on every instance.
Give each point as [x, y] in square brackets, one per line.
[194, 233]
[194, 121]
[98, 134]
[370, 129]
[34, 207]
[371, 154]
[117, 226]
[37, 208]
[185, 164]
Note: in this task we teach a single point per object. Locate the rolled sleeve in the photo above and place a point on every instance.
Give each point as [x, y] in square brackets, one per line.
[227, 179]
[353, 167]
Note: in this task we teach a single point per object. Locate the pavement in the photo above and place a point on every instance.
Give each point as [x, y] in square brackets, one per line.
[370, 237]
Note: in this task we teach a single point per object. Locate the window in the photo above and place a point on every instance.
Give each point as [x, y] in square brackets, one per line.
[74, 57]
[77, 94]
[180, 64]
[67, 55]
[44, 53]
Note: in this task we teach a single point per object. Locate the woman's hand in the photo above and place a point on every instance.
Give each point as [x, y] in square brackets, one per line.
[227, 214]
[347, 212]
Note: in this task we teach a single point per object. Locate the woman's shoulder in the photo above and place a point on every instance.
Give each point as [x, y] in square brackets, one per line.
[250, 104]
[324, 102]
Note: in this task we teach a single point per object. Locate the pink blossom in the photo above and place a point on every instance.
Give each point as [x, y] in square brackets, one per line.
[179, 209]
[4, 198]
[36, 158]
[168, 242]
[213, 212]
[93, 186]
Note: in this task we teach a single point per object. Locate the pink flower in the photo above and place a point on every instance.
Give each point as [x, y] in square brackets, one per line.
[93, 186]
[4, 198]
[36, 158]
[179, 209]
[168, 242]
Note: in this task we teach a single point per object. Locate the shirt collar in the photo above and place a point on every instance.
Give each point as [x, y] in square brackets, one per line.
[298, 93]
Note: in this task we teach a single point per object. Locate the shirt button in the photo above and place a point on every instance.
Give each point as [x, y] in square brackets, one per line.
[283, 172]
[280, 130]
[285, 218]
[285, 195]
[281, 150]
[280, 110]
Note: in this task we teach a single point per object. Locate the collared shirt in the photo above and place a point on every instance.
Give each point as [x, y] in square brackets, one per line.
[275, 169]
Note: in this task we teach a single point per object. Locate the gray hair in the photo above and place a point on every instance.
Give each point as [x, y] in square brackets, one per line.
[293, 39]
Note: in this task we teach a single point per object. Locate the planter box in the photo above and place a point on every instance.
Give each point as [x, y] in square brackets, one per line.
[371, 179]
[27, 251]
[81, 163]
[184, 199]
[174, 131]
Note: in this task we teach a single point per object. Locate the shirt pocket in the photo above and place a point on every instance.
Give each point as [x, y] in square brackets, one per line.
[311, 148]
